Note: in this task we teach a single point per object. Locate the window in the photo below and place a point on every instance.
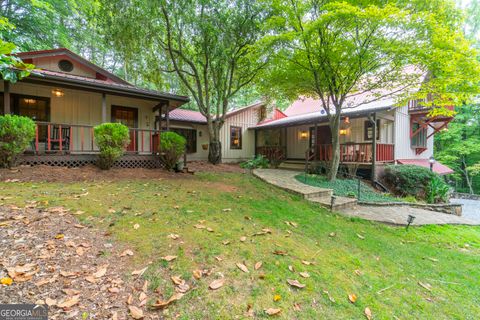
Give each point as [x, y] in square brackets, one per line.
[235, 137]
[65, 65]
[420, 139]
[190, 135]
[37, 108]
[368, 131]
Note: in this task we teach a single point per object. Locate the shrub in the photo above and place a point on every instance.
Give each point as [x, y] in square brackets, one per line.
[257, 162]
[409, 180]
[437, 191]
[172, 146]
[111, 139]
[16, 133]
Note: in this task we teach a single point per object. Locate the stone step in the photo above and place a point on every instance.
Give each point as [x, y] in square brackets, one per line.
[341, 203]
[321, 193]
[297, 166]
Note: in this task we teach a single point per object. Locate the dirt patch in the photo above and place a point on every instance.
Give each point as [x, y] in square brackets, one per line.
[74, 269]
[92, 173]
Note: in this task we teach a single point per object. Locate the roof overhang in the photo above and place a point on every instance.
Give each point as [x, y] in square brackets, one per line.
[437, 167]
[107, 88]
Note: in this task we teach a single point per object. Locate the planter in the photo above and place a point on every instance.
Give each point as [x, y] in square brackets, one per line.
[179, 167]
[205, 146]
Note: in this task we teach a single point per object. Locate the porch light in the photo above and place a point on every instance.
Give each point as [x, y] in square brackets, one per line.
[29, 101]
[343, 132]
[58, 93]
[432, 161]
[303, 135]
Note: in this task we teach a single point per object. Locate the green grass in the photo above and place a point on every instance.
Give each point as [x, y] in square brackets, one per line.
[389, 258]
[347, 188]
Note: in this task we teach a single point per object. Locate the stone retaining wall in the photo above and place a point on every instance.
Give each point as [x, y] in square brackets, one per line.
[449, 208]
[468, 196]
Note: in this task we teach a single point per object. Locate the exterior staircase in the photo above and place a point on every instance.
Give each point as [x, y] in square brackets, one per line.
[296, 165]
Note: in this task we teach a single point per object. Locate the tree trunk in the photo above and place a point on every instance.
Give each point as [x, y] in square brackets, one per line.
[215, 147]
[335, 129]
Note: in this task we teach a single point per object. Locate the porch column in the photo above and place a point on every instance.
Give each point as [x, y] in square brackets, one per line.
[167, 116]
[315, 144]
[6, 97]
[255, 143]
[104, 108]
[374, 147]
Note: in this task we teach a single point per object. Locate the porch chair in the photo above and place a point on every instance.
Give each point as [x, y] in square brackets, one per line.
[55, 138]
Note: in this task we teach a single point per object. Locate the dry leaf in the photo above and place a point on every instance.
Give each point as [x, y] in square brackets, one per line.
[360, 236]
[243, 239]
[219, 258]
[173, 236]
[216, 284]
[59, 236]
[226, 242]
[50, 302]
[209, 229]
[200, 226]
[169, 258]
[332, 234]
[368, 313]
[139, 272]
[183, 288]
[307, 263]
[101, 271]
[329, 296]
[142, 296]
[273, 311]
[426, 286]
[291, 268]
[304, 274]
[162, 304]
[6, 281]
[135, 312]
[71, 292]
[69, 302]
[127, 252]
[177, 280]
[258, 265]
[113, 290]
[136, 226]
[277, 297]
[197, 274]
[227, 210]
[242, 267]
[80, 251]
[352, 297]
[295, 283]
[296, 307]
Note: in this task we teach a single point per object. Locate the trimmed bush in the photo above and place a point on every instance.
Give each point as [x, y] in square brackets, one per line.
[171, 147]
[409, 180]
[111, 139]
[16, 133]
[437, 191]
[257, 162]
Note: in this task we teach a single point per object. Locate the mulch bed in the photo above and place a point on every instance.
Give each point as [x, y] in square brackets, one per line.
[76, 270]
[92, 173]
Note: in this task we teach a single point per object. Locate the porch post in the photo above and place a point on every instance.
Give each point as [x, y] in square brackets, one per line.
[374, 148]
[104, 108]
[315, 142]
[255, 143]
[167, 116]
[6, 97]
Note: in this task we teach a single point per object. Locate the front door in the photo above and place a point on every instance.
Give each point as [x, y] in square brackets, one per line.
[322, 141]
[129, 117]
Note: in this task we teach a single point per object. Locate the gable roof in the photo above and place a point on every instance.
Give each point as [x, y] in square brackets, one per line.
[73, 56]
[186, 115]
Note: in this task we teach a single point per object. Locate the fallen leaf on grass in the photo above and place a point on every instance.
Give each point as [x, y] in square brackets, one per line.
[280, 252]
[59, 236]
[277, 297]
[162, 304]
[209, 229]
[296, 307]
[50, 302]
[426, 286]
[182, 288]
[173, 236]
[23, 273]
[307, 263]
[139, 272]
[101, 271]
[368, 313]
[291, 268]
[136, 226]
[304, 274]
[219, 258]
[329, 296]
[177, 280]
[227, 210]
[258, 265]
[197, 274]
[332, 234]
[352, 297]
[242, 267]
[360, 236]
[200, 226]
[216, 284]
[80, 251]
[127, 252]
[273, 311]
[135, 312]
[243, 239]
[226, 242]
[69, 302]
[295, 283]
[169, 258]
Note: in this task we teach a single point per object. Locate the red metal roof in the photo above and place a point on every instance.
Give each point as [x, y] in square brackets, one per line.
[437, 167]
[187, 116]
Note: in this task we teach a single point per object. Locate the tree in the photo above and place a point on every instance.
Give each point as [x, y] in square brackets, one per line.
[459, 146]
[338, 51]
[210, 46]
[11, 67]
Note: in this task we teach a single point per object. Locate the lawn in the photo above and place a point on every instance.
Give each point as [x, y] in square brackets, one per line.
[347, 188]
[426, 272]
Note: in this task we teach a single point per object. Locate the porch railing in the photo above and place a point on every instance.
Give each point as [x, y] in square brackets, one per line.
[72, 138]
[352, 152]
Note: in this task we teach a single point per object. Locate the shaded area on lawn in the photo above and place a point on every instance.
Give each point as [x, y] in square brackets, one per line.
[348, 188]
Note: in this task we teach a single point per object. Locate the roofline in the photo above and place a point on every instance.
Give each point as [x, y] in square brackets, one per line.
[317, 119]
[103, 88]
[239, 110]
[74, 56]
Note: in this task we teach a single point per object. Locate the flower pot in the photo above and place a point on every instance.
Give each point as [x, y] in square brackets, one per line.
[205, 146]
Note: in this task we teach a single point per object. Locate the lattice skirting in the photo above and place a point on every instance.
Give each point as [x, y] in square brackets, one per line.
[80, 160]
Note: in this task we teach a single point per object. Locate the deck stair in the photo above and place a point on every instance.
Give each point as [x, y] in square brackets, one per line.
[296, 165]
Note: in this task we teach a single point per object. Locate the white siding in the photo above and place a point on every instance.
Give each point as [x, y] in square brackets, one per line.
[244, 119]
[297, 146]
[202, 139]
[402, 137]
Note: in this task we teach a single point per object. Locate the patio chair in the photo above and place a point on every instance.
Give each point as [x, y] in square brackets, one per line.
[55, 138]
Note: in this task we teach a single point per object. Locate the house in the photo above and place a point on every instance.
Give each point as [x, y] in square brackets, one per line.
[67, 96]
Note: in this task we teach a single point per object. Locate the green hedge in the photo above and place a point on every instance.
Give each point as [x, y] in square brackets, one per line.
[16, 133]
[172, 146]
[111, 139]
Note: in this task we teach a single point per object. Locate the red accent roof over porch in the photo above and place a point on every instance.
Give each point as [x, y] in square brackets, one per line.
[437, 167]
